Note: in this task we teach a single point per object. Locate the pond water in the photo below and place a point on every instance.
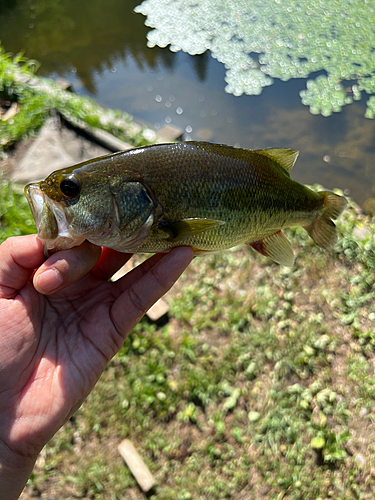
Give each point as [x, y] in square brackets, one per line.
[101, 47]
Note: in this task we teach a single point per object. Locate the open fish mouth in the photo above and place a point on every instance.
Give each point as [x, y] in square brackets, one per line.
[50, 221]
[35, 197]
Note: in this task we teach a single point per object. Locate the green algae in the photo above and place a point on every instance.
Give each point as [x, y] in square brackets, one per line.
[261, 40]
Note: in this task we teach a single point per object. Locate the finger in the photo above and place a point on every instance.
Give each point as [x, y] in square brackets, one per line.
[153, 284]
[137, 272]
[64, 268]
[110, 262]
[19, 256]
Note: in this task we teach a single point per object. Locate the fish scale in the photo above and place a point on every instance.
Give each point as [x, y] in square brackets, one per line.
[208, 196]
[215, 186]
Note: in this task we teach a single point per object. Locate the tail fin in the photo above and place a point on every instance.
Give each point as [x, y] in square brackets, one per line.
[323, 230]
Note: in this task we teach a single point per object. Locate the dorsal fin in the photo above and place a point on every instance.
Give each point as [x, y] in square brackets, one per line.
[285, 157]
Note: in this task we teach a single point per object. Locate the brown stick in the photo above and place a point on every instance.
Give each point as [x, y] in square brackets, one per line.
[136, 465]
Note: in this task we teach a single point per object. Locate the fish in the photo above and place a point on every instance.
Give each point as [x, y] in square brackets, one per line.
[208, 196]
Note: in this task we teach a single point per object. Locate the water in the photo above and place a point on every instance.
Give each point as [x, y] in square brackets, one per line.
[101, 47]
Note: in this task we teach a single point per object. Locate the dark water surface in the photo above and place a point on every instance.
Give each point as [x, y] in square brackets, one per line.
[100, 45]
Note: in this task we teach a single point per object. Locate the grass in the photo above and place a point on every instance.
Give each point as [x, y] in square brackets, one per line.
[260, 386]
[15, 216]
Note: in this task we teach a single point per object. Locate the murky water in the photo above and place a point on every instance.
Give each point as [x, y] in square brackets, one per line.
[101, 47]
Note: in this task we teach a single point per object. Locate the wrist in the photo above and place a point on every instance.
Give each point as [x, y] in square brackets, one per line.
[15, 470]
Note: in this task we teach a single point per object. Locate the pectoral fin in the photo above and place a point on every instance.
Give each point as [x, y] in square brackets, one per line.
[184, 228]
[276, 247]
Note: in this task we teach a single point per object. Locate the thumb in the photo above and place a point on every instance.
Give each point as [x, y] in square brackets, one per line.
[19, 256]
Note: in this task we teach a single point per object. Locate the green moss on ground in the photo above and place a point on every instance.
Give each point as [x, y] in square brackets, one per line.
[260, 386]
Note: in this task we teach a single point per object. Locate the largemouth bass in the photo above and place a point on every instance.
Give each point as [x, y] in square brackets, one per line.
[207, 196]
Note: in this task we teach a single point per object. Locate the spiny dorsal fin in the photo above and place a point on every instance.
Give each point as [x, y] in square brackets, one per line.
[285, 157]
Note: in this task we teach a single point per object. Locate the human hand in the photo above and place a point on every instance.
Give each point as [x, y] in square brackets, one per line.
[58, 330]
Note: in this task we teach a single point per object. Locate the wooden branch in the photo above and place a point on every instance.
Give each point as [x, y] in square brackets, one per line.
[136, 465]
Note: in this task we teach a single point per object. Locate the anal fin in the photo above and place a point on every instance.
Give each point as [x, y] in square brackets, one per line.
[276, 247]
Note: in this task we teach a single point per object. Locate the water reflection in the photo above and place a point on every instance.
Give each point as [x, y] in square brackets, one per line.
[85, 37]
[102, 48]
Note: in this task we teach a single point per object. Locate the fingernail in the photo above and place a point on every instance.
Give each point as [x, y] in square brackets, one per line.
[48, 281]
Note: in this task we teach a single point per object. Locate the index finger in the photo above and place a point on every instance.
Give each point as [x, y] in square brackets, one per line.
[148, 288]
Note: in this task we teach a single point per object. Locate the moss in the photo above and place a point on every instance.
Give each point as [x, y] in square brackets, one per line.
[15, 215]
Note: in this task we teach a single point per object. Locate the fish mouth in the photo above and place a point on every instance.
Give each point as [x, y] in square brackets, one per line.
[50, 220]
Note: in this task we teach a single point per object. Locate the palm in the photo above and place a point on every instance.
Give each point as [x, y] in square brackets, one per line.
[58, 345]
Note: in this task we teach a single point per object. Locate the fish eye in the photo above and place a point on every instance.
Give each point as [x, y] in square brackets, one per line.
[70, 187]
